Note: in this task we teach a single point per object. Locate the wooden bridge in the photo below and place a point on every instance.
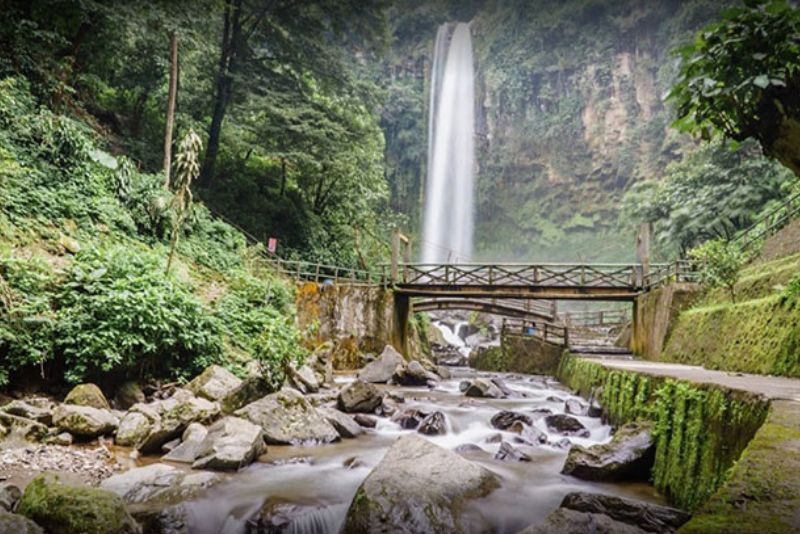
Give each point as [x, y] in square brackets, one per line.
[517, 308]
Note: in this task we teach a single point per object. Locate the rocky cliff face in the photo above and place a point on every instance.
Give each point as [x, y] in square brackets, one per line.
[570, 114]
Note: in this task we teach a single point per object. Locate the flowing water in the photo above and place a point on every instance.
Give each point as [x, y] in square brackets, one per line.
[449, 211]
[309, 489]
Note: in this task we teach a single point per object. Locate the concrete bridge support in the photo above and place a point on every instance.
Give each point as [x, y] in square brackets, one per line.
[654, 314]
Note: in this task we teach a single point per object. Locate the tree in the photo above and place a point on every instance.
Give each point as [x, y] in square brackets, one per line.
[720, 264]
[173, 93]
[187, 168]
[741, 78]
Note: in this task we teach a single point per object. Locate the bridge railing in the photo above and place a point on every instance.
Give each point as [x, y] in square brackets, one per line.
[687, 271]
[549, 332]
[595, 318]
[322, 273]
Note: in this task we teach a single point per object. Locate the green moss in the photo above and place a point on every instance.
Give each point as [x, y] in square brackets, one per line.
[519, 354]
[64, 509]
[700, 431]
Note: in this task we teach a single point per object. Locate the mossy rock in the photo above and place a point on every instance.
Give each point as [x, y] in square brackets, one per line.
[87, 395]
[70, 509]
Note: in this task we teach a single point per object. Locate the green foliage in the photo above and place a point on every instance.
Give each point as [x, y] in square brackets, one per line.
[720, 264]
[740, 77]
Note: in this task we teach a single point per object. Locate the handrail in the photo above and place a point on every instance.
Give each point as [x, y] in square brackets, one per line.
[786, 211]
[548, 332]
[595, 318]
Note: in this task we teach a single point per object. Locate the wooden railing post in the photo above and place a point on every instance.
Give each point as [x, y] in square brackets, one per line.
[395, 253]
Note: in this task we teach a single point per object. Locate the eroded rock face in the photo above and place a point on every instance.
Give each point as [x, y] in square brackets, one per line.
[62, 508]
[84, 421]
[215, 384]
[381, 369]
[359, 396]
[87, 395]
[344, 424]
[628, 456]
[566, 425]
[287, 418]
[231, 443]
[418, 487]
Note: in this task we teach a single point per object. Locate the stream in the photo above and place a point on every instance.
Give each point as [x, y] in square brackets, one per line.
[309, 489]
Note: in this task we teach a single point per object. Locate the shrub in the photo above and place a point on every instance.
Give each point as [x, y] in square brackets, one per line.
[720, 264]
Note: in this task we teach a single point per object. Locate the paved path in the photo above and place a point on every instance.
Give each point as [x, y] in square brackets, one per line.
[772, 387]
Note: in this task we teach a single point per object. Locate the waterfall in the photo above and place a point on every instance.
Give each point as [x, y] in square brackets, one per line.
[449, 211]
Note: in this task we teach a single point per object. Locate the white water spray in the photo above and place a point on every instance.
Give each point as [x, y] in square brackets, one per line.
[449, 211]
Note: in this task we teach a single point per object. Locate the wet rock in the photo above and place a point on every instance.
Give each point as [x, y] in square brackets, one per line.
[396, 396]
[128, 394]
[501, 385]
[365, 420]
[386, 409]
[566, 425]
[595, 410]
[231, 443]
[650, 517]
[359, 396]
[278, 516]
[159, 483]
[575, 407]
[443, 372]
[135, 426]
[563, 443]
[84, 421]
[353, 462]
[538, 413]
[401, 492]
[190, 446]
[170, 445]
[507, 453]
[409, 419]
[529, 435]
[215, 383]
[565, 521]
[494, 438]
[9, 495]
[464, 385]
[628, 456]
[481, 387]
[343, 423]
[381, 370]
[503, 420]
[433, 425]
[87, 395]
[553, 398]
[18, 524]
[468, 448]
[43, 413]
[27, 429]
[413, 374]
[62, 508]
[287, 418]
[303, 379]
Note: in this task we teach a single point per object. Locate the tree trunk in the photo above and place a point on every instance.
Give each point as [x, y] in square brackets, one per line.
[173, 93]
[283, 177]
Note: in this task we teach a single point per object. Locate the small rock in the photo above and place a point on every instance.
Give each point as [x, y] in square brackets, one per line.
[359, 396]
[503, 420]
[87, 395]
[28, 429]
[190, 446]
[443, 372]
[508, 453]
[566, 425]
[396, 396]
[365, 420]
[563, 443]
[64, 439]
[433, 425]
[303, 379]
[409, 419]
[170, 445]
[595, 410]
[494, 438]
[413, 374]
[501, 385]
[529, 435]
[9, 495]
[464, 385]
[353, 463]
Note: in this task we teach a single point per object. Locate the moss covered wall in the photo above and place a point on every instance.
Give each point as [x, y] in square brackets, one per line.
[700, 430]
[519, 354]
[654, 315]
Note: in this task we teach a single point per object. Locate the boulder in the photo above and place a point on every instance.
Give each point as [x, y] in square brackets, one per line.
[62, 508]
[343, 423]
[87, 395]
[481, 387]
[168, 418]
[409, 418]
[381, 370]
[501, 385]
[628, 456]
[287, 418]
[84, 421]
[575, 407]
[413, 374]
[190, 446]
[9, 495]
[17, 524]
[303, 378]
[135, 426]
[507, 453]
[365, 420]
[41, 413]
[419, 487]
[503, 420]
[565, 521]
[528, 435]
[359, 396]
[128, 394]
[566, 425]
[251, 389]
[215, 384]
[27, 429]
[321, 362]
[649, 517]
[433, 425]
[231, 443]
[159, 483]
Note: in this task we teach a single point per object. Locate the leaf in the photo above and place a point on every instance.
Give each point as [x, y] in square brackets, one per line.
[761, 81]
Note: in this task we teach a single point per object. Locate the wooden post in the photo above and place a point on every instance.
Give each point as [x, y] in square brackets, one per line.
[173, 94]
[643, 252]
[395, 253]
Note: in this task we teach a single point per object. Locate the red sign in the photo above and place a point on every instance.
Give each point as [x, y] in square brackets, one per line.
[272, 245]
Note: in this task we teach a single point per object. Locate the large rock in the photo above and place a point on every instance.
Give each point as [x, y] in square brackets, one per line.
[628, 456]
[41, 412]
[231, 443]
[136, 425]
[128, 394]
[566, 425]
[87, 395]
[343, 423]
[381, 370]
[251, 389]
[17, 524]
[604, 514]
[84, 421]
[413, 374]
[62, 508]
[287, 418]
[303, 378]
[419, 487]
[215, 384]
[191, 444]
[481, 387]
[159, 483]
[358, 396]
[321, 362]
[24, 428]
[505, 419]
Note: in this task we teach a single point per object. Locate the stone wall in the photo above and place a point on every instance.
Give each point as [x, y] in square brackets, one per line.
[519, 354]
[654, 315]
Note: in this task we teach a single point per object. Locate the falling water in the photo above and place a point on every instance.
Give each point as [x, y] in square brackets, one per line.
[448, 224]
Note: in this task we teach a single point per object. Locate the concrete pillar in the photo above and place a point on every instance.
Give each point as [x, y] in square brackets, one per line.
[400, 324]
